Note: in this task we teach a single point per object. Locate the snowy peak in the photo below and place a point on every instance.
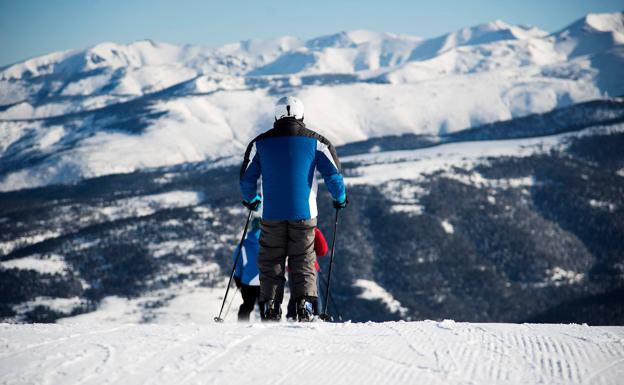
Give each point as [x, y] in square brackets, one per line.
[138, 54]
[487, 33]
[362, 84]
[106, 55]
[260, 48]
[337, 40]
[234, 58]
[344, 52]
[352, 39]
[470, 36]
[593, 33]
[604, 22]
[37, 66]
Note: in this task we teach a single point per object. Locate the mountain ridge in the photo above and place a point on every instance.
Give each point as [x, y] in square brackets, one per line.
[193, 103]
[346, 39]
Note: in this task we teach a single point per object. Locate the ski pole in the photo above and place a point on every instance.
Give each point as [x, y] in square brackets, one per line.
[331, 298]
[325, 316]
[238, 253]
[227, 311]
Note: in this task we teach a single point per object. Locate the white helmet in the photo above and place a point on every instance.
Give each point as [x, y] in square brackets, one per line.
[289, 106]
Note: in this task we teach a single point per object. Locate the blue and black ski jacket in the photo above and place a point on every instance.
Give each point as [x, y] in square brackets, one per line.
[285, 159]
[247, 265]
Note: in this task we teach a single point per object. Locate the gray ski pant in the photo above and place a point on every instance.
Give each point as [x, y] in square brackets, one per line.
[292, 239]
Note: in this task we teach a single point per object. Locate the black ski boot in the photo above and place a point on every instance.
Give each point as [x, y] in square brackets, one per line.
[270, 311]
[306, 308]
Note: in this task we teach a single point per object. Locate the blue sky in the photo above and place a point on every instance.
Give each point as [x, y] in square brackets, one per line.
[35, 27]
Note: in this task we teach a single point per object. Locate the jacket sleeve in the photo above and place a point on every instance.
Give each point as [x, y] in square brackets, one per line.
[320, 244]
[329, 166]
[250, 172]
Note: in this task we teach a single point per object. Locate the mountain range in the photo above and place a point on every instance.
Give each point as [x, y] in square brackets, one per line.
[484, 170]
[63, 116]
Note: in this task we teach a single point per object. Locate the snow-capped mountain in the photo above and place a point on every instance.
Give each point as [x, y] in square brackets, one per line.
[484, 168]
[66, 115]
[594, 33]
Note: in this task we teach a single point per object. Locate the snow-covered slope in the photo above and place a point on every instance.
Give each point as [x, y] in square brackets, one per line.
[591, 34]
[110, 108]
[369, 353]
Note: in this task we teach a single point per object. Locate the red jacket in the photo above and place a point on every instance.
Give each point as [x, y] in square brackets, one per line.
[320, 248]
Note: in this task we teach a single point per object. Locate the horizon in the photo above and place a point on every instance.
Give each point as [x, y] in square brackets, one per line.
[30, 44]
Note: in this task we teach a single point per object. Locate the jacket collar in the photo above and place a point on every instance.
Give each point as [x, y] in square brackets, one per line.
[288, 123]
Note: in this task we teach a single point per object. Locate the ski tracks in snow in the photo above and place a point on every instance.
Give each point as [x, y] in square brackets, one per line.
[287, 353]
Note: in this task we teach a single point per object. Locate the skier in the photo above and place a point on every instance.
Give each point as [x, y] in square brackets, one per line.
[246, 273]
[287, 157]
[320, 249]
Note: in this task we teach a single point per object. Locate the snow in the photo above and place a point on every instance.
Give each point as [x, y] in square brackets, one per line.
[373, 292]
[560, 275]
[194, 264]
[60, 305]
[404, 197]
[160, 249]
[447, 226]
[456, 161]
[52, 136]
[475, 179]
[591, 34]
[10, 133]
[411, 209]
[602, 205]
[112, 309]
[606, 22]
[148, 204]
[355, 84]
[51, 264]
[123, 208]
[184, 303]
[8, 246]
[318, 353]
[378, 168]
[204, 212]
[59, 108]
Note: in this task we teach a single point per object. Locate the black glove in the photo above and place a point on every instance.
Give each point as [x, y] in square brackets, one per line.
[238, 282]
[341, 205]
[254, 204]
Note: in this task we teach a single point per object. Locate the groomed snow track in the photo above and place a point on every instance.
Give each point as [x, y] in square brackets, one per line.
[368, 353]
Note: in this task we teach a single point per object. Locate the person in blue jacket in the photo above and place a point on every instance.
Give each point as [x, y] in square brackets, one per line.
[246, 272]
[286, 159]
